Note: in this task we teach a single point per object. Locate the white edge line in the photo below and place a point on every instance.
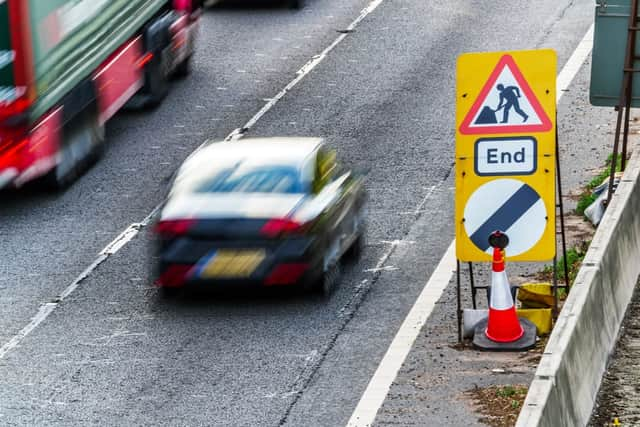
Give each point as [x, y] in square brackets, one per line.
[376, 392]
[574, 64]
[378, 387]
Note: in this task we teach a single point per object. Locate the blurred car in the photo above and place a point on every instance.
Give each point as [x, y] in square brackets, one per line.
[262, 212]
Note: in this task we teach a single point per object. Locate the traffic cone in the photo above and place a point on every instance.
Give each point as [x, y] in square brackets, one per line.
[503, 324]
[503, 330]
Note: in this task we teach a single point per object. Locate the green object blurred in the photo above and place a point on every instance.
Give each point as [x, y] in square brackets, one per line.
[70, 39]
[609, 48]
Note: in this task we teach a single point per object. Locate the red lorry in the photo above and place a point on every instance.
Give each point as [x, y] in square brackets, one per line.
[67, 66]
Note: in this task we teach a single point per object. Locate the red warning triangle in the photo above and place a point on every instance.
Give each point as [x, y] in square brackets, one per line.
[506, 104]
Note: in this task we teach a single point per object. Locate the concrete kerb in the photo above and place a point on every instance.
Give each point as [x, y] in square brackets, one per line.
[567, 380]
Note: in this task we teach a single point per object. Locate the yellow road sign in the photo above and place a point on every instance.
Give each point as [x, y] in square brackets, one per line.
[505, 153]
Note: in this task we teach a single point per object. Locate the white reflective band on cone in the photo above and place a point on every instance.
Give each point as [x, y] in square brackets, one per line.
[500, 291]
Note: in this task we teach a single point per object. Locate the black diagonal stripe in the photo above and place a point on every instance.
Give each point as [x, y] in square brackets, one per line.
[505, 216]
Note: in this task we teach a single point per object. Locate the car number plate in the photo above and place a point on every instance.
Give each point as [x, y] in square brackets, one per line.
[225, 263]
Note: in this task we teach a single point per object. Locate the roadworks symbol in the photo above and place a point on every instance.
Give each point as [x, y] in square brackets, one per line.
[506, 104]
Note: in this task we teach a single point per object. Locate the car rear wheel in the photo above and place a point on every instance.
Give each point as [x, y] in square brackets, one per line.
[356, 249]
[168, 292]
[328, 281]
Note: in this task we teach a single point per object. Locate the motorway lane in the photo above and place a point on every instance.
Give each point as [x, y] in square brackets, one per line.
[244, 56]
[114, 353]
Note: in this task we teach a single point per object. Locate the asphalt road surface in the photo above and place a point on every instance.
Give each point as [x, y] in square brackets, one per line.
[112, 352]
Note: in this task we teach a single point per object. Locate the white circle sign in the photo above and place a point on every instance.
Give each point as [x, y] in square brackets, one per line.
[510, 206]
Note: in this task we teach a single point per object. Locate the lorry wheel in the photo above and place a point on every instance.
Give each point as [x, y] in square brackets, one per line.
[183, 69]
[156, 85]
[296, 4]
[82, 145]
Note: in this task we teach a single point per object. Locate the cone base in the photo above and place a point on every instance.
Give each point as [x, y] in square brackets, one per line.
[525, 342]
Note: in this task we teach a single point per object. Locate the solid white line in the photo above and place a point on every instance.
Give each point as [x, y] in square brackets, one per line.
[376, 392]
[378, 387]
[574, 64]
[130, 232]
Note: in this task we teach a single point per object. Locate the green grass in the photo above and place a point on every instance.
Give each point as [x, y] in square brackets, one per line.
[506, 391]
[587, 197]
[575, 256]
[510, 392]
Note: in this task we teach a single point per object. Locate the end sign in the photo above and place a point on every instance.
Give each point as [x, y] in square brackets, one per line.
[505, 153]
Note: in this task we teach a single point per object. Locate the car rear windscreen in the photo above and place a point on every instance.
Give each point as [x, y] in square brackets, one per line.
[252, 179]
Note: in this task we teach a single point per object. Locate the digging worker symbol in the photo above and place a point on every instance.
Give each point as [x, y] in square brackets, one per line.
[509, 98]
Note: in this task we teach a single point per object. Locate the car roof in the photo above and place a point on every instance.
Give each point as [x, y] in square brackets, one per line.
[284, 150]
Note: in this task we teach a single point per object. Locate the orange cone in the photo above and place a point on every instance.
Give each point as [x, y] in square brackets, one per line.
[503, 324]
[502, 330]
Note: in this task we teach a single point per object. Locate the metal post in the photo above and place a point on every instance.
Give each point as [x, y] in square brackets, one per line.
[473, 286]
[459, 311]
[632, 48]
[561, 207]
[624, 93]
[555, 287]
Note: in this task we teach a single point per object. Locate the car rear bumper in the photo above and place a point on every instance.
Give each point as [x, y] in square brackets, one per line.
[189, 262]
[303, 274]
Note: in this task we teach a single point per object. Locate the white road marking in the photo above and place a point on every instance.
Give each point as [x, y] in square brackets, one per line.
[379, 385]
[304, 71]
[46, 309]
[424, 200]
[385, 268]
[574, 64]
[124, 238]
[130, 232]
[387, 371]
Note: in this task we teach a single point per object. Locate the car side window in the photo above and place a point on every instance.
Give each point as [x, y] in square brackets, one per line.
[326, 167]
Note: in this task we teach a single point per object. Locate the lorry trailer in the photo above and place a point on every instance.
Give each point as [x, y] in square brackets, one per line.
[67, 66]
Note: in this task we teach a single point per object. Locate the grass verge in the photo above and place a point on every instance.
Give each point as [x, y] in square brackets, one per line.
[587, 197]
[499, 405]
[575, 255]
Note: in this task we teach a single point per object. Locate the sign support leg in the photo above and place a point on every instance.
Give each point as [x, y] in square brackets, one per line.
[474, 290]
[459, 310]
[555, 287]
[562, 229]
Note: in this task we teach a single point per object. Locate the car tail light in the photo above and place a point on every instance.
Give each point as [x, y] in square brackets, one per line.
[286, 274]
[174, 227]
[278, 226]
[174, 275]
